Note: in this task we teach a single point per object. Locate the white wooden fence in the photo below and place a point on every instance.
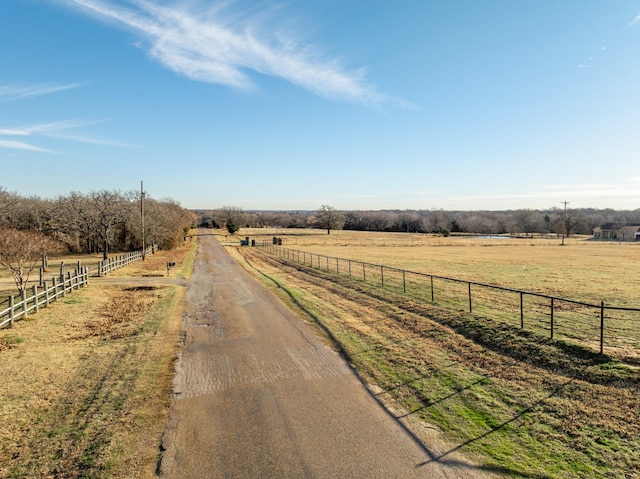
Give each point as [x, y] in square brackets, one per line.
[42, 296]
[117, 262]
[39, 296]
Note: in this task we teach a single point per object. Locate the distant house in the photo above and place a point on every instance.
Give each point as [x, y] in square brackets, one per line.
[617, 232]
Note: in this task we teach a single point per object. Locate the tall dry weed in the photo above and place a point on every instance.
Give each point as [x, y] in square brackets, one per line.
[122, 316]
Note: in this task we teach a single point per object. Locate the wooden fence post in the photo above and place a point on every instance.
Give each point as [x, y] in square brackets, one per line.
[23, 295]
[11, 309]
[35, 298]
[46, 293]
[470, 305]
[62, 271]
[55, 288]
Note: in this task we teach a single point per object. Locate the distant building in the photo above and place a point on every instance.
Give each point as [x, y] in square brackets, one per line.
[617, 232]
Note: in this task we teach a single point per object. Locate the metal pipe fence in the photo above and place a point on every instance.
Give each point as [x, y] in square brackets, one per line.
[597, 326]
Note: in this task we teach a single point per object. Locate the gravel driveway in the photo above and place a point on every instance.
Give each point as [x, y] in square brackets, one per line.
[258, 395]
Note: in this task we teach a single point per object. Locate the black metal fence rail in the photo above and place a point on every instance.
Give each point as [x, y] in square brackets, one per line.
[597, 326]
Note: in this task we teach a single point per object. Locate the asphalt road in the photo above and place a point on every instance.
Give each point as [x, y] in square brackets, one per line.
[258, 395]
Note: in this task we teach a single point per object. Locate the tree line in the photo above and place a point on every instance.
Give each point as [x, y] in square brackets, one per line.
[579, 221]
[98, 221]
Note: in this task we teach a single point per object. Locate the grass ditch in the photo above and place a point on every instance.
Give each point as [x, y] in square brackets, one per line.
[520, 404]
[86, 382]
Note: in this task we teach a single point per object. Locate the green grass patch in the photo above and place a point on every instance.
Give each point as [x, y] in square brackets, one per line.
[187, 266]
[73, 299]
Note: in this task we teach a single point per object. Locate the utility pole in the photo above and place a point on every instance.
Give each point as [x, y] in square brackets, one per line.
[564, 220]
[142, 216]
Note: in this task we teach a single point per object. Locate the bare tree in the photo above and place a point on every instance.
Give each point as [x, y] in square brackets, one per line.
[20, 251]
[528, 221]
[165, 223]
[437, 221]
[232, 217]
[111, 209]
[573, 220]
[78, 222]
[410, 222]
[28, 213]
[8, 202]
[329, 218]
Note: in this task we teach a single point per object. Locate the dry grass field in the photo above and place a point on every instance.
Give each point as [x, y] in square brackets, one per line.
[582, 270]
[86, 382]
[519, 404]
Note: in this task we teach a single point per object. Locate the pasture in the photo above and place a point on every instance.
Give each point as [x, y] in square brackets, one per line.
[582, 291]
[582, 270]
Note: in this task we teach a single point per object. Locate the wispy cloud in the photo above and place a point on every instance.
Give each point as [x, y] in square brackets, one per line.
[60, 130]
[47, 129]
[217, 45]
[20, 145]
[55, 129]
[635, 20]
[13, 93]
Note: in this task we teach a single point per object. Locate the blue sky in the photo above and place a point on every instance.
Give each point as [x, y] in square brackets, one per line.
[357, 104]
